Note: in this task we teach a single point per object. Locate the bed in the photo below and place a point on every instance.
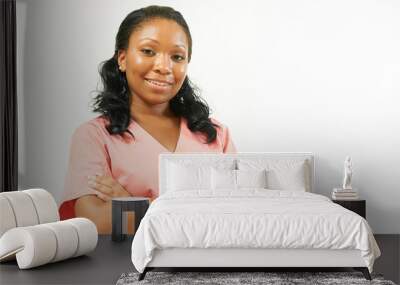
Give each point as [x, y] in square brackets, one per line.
[247, 210]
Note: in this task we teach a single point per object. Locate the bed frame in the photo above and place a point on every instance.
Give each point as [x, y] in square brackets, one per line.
[250, 258]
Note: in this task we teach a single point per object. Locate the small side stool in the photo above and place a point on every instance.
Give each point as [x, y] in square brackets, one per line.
[139, 205]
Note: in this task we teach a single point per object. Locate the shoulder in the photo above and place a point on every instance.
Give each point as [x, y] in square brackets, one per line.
[222, 142]
[92, 129]
[221, 128]
[224, 137]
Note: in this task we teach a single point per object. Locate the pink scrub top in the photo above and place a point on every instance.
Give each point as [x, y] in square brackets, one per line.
[133, 162]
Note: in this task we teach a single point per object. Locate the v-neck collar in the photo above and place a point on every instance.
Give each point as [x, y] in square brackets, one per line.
[135, 123]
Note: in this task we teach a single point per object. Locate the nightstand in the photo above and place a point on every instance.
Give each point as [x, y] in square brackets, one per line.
[357, 206]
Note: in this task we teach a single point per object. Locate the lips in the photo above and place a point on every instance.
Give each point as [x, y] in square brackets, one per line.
[158, 86]
[158, 82]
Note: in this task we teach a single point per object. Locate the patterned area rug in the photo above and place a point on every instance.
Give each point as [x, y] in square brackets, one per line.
[269, 278]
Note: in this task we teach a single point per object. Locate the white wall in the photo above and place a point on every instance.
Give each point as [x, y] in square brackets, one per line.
[319, 76]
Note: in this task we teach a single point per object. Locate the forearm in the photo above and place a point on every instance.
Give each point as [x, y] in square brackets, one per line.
[99, 212]
[96, 210]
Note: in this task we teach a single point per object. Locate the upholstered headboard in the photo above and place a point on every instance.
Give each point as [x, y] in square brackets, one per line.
[199, 159]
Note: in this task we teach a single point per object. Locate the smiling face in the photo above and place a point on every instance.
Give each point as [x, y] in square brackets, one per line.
[155, 62]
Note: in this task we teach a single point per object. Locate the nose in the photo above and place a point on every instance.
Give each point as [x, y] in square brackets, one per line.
[162, 64]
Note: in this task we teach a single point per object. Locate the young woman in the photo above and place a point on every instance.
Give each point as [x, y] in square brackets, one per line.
[148, 106]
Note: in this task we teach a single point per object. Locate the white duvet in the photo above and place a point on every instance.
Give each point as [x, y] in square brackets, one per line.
[251, 218]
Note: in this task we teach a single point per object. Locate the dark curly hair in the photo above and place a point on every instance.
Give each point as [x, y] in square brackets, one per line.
[115, 99]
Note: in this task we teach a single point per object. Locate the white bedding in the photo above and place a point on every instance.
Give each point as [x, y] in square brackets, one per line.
[250, 218]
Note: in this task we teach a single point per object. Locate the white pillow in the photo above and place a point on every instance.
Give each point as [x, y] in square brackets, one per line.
[188, 177]
[287, 179]
[251, 178]
[228, 179]
[223, 179]
[282, 174]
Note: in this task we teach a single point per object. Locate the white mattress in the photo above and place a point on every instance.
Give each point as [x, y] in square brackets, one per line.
[251, 218]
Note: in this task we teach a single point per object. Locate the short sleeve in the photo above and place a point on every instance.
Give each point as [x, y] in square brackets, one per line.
[88, 156]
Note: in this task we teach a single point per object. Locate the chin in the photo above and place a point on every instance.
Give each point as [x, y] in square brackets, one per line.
[154, 102]
[159, 99]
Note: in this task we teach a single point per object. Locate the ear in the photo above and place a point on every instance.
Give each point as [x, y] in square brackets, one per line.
[122, 60]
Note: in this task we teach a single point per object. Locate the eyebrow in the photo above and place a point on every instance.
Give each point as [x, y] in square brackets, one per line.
[182, 46]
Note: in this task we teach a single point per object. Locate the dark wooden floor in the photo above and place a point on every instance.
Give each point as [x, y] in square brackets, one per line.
[110, 260]
[389, 262]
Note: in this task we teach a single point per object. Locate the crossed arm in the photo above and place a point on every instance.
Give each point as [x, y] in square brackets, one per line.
[97, 208]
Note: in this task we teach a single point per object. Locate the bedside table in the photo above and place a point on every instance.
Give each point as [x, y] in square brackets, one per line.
[357, 206]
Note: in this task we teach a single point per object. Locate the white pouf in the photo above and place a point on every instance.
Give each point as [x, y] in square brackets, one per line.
[46, 207]
[31, 232]
[40, 244]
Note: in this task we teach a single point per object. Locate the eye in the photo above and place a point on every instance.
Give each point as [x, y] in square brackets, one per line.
[148, 52]
[178, 57]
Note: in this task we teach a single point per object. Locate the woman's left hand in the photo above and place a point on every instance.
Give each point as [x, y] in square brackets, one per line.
[107, 187]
